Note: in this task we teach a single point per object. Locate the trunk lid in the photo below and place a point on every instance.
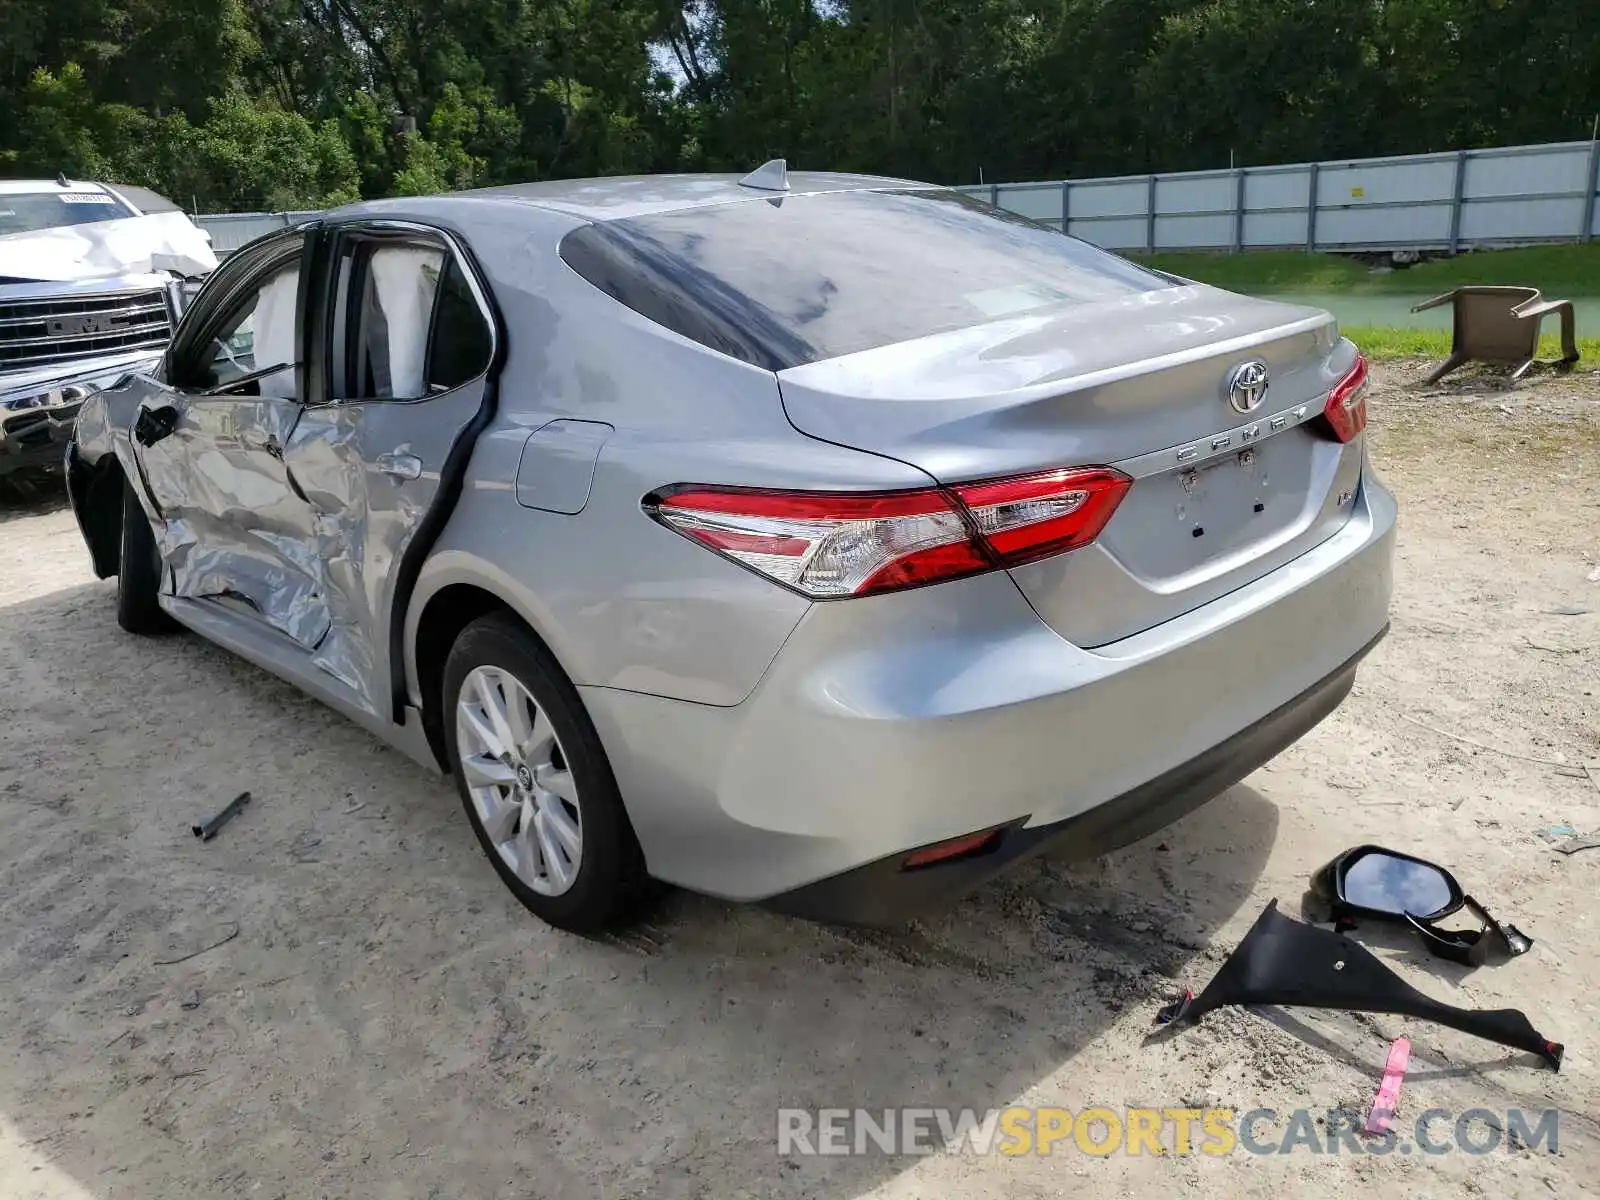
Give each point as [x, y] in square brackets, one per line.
[1220, 496]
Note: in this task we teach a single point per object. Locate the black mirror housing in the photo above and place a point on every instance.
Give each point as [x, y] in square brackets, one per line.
[1372, 881]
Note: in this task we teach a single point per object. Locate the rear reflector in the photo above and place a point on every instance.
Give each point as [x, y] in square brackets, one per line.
[1346, 409]
[829, 545]
[962, 847]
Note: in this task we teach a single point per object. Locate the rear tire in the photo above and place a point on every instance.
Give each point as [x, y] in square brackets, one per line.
[139, 572]
[551, 796]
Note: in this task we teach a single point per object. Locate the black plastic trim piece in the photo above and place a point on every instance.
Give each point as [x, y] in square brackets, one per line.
[1287, 962]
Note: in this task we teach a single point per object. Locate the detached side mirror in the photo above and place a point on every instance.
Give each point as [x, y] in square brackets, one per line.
[1398, 884]
[1375, 882]
[1371, 881]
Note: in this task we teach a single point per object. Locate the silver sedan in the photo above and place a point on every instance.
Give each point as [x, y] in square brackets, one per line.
[819, 540]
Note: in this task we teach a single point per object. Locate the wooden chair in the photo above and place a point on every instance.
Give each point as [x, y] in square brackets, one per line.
[1501, 325]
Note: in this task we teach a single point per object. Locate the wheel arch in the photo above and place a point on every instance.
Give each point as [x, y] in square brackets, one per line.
[95, 490]
[442, 606]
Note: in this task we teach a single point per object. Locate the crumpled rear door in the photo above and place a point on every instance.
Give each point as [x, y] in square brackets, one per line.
[377, 463]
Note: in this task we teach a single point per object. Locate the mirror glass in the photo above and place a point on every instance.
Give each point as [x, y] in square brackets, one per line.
[1397, 885]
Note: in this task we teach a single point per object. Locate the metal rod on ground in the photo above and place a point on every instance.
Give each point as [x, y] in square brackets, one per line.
[207, 829]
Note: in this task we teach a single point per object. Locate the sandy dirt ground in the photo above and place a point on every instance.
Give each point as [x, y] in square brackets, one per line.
[387, 1022]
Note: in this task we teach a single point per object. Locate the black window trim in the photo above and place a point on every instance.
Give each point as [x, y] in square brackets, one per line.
[390, 229]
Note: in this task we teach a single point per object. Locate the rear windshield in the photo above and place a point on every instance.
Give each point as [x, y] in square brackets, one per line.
[28, 212]
[795, 279]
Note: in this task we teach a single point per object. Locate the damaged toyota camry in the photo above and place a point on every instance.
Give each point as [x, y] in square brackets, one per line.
[826, 541]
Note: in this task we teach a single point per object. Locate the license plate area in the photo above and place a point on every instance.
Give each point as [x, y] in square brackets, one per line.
[1222, 494]
[1190, 518]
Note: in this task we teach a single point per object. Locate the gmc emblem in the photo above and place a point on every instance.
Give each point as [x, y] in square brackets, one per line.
[77, 325]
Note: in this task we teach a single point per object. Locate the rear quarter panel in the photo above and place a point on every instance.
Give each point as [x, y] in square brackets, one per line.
[622, 601]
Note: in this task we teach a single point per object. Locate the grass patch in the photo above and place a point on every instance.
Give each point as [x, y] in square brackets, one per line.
[1267, 271]
[1382, 342]
[1565, 271]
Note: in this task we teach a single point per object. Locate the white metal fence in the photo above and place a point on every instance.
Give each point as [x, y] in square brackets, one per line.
[1510, 196]
[1515, 195]
[229, 231]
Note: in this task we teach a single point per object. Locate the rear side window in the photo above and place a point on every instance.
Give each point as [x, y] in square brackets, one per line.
[406, 323]
[460, 344]
[790, 280]
[391, 293]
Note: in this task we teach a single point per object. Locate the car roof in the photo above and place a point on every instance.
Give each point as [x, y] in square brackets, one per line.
[618, 197]
[12, 187]
[142, 199]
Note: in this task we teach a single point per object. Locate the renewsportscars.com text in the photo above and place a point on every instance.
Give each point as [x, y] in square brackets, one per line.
[1101, 1131]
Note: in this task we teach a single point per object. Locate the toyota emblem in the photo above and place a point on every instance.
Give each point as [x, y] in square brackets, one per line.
[1247, 386]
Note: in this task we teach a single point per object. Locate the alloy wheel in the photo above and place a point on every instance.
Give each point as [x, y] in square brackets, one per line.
[517, 777]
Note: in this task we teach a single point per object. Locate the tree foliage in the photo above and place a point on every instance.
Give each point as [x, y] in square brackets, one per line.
[298, 103]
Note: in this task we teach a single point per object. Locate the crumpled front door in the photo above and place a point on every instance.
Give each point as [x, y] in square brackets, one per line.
[230, 525]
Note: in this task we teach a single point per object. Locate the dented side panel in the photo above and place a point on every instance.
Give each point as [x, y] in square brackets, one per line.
[325, 456]
[297, 514]
[106, 412]
[370, 471]
[228, 520]
[232, 526]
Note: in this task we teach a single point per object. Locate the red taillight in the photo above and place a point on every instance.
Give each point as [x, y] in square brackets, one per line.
[1346, 409]
[828, 545]
[1035, 516]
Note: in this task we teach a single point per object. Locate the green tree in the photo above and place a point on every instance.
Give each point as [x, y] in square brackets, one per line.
[280, 103]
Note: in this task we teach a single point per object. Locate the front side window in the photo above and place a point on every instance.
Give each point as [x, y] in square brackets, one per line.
[261, 333]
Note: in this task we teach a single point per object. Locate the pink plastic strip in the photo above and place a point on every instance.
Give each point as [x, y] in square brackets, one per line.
[1388, 1097]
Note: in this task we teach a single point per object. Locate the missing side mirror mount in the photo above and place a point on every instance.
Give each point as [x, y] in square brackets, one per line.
[153, 424]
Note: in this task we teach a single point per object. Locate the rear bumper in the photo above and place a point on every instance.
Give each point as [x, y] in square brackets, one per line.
[895, 722]
[883, 893]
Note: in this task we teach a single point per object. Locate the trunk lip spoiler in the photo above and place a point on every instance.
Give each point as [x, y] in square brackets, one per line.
[842, 376]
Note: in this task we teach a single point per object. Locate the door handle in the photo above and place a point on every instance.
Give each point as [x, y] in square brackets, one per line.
[398, 465]
[268, 443]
